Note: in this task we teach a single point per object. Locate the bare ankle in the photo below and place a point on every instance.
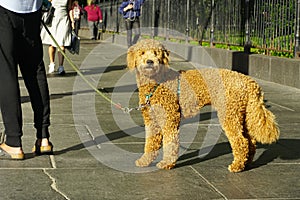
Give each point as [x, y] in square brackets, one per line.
[44, 142]
[9, 149]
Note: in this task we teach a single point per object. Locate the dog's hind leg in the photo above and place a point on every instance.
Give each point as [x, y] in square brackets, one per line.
[240, 143]
[252, 151]
[240, 149]
[152, 146]
[251, 145]
[240, 152]
[232, 118]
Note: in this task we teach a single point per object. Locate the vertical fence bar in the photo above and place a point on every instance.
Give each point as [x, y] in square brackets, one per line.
[297, 29]
[264, 25]
[259, 31]
[153, 20]
[283, 25]
[187, 30]
[212, 24]
[168, 22]
[247, 45]
[269, 26]
[273, 24]
[117, 16]
[289, 26]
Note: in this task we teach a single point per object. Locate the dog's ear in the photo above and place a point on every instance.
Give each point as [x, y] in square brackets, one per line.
[131, 58]
[166, 54]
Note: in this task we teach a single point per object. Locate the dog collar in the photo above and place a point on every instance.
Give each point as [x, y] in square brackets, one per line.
[178, 86]
[148, 96]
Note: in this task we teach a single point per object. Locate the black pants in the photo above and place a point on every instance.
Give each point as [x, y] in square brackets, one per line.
[132, 24]
[77, 26]
[20, 45]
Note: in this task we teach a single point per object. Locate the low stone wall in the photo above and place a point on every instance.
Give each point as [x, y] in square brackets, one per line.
[283, 71]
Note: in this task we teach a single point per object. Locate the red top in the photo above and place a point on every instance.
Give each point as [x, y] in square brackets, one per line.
[94, 13]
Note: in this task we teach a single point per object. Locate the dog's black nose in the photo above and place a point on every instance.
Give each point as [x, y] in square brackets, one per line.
[150, 62]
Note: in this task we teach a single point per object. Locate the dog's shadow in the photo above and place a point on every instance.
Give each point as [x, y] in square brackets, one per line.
[285, 149]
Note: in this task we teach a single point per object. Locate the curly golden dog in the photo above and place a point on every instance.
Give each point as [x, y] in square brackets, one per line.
[166, 96]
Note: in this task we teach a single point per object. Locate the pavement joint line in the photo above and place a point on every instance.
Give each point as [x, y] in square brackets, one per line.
[61, 114]
[92, 168]
[209, 183]
[113, 143]
[209, 124]
[49, 168]
[52, 160]
[284, 107]
[296, 163]
[285, 198]
[89, 132]
[54, 185]
[27, 168]
[93, 79]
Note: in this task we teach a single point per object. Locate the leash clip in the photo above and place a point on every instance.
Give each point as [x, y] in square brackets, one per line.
[147, 102]
[127, 110]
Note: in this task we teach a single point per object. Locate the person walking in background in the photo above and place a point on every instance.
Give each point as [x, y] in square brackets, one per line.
[131, 11]
[76, 12]
[94, 17]
[61, 31]
[21, 45]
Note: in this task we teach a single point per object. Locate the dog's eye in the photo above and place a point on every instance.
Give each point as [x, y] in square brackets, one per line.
[155, 53]
[141, 53]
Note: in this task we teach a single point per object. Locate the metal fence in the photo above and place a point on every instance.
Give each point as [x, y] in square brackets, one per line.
[268, 25]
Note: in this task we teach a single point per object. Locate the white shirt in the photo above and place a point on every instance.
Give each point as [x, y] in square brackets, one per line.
[21, 6]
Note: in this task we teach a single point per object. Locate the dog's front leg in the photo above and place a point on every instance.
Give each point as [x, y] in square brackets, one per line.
[170, 149]
[152, 146]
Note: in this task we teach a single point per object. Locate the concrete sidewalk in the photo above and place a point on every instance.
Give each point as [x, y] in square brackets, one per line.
[95, 144]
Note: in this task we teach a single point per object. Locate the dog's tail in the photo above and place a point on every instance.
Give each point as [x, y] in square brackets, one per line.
[260, 122]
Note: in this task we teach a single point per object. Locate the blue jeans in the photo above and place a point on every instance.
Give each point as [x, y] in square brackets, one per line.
[132, 25]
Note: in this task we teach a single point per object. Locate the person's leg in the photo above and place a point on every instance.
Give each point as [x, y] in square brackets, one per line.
[96, 30]
[44, 91]
[33, 71]
[128, 26]
[37, 86]
[10, 103]
[136, 29]
[77, 26]
[51, 52]
[61, 58]
[91, 29]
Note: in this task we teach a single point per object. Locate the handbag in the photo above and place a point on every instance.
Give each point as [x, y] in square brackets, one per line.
[48, 16]
[101, 28]
[75, 44]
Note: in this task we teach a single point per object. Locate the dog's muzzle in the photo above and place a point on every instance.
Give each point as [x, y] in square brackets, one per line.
[149, 64]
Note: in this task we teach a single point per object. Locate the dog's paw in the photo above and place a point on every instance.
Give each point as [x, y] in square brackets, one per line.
[235, 167]
[146, 159]
[141, 163]
[165, 165]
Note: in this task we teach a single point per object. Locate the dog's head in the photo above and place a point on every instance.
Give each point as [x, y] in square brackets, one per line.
[148, 56]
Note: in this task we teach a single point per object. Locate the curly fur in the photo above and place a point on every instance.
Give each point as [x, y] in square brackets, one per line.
[237, 98]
